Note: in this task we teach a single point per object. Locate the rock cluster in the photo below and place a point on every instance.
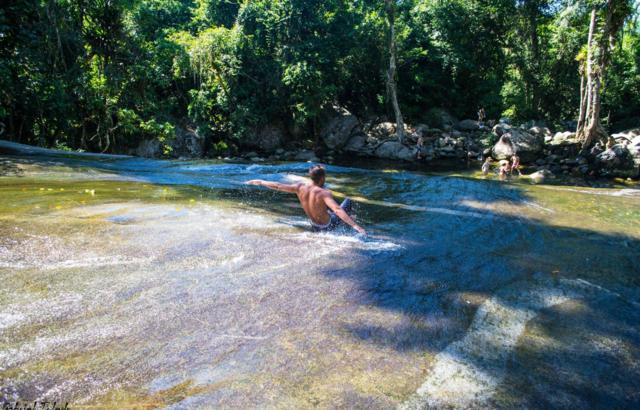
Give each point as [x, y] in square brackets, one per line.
[533, 142]
[342, 133]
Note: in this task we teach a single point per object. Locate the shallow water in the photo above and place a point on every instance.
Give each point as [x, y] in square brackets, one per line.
[131, 282]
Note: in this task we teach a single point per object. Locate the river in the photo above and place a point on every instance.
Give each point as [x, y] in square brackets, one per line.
[171, 284]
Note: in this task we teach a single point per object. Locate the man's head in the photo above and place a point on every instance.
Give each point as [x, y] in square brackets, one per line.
[317, 175]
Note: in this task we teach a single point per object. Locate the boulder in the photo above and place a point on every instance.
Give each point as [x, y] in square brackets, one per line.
[468, 125]
[537, 130]
[501, 128]
[395, 150]
[539, 177]
[267, 139]
[634, 150]
[357, 143]
[626, 136]
[527, 146]
[566, 137]
[616, 157]
[306, 155]
[504, 120]
[339, 128]
[384, 130]
[188, 143]
[149, 149]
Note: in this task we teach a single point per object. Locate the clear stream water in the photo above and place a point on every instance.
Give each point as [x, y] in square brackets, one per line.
[142, 283]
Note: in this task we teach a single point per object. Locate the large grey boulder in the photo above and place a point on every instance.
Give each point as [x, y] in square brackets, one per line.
[339, 128]
[395, 150]
[149, 149]
[527, 146]
[188, 143]
[616, 157]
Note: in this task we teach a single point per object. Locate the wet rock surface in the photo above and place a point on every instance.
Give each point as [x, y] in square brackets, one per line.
[171, 284]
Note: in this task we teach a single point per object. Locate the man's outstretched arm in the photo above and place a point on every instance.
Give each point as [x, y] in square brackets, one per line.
[333, 205]
[276, 186]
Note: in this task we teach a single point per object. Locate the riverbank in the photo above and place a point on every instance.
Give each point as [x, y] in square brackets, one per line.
[532, 173]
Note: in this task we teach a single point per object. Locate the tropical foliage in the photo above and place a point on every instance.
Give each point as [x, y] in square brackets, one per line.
[105, 74]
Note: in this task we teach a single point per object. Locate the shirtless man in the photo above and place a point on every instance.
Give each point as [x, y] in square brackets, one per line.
[317, 202]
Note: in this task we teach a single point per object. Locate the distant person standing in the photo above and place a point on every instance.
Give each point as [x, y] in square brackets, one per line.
[420, 148]
[486, 166]
[482, 115]
[515, 164]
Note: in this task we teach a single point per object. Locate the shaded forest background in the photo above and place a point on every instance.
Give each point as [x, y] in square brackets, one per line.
[103, 75]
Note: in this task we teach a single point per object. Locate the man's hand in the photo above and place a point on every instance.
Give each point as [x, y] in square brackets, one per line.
[360, 230]
[254, 182]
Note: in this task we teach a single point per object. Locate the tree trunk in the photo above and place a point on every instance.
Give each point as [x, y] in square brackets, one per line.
[585, 82]
[391, 73]
[583, 101]
[591, 130]
[615, 12]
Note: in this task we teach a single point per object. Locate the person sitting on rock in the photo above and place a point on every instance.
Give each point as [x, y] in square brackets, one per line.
[515, 165]
[504, 169]
[486, 166]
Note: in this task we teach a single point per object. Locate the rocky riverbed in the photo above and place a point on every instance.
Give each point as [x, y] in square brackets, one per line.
[146, 283]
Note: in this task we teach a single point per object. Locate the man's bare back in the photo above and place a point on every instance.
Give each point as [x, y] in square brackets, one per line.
[317, 202]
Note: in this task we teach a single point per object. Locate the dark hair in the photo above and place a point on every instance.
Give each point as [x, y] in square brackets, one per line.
[317, 174]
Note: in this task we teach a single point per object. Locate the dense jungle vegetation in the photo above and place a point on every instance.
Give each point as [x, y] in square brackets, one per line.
[102, 75]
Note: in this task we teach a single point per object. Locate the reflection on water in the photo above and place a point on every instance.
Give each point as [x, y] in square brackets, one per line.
[171, 284]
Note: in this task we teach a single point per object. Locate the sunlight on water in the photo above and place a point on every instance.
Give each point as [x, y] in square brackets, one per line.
[171, 284]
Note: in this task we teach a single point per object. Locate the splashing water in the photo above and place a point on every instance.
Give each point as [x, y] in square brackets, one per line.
[171, 284]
